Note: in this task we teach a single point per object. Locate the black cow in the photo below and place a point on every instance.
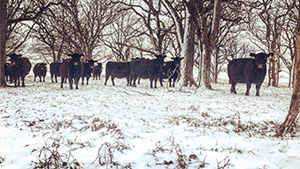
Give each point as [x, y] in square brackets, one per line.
[7, 72]
[171, 71]
[54, 70]
[40, 70]
[71, 69]
[118, 70]
[19, 68]
[97, 71]
[147, 69]
[134, 59]
[248, 70]
[88, 67]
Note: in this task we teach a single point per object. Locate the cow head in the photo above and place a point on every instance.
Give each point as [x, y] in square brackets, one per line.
[99, 65]
[260, 59]
[14, 59]
[42, 65]
[90, 63]
[76, 58]
[160, 57]
[177, 61]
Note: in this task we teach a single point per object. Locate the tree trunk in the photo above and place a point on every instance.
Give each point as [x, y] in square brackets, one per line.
[188, 51]
[290, 78]
[3, 30]
[273, 75]
[216, 66]
[277, 72]
[200, 56]
[269, 71]
[294, 106]
[207, 67]
[210, 42]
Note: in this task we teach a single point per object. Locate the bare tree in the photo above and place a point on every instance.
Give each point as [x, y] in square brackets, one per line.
[155, 21]
[27, 11]
[50, 32]
[186, 31]
[290, 119]
[227, 49]
[76, 26]
[3, 30]
[268, 22]
[125, 35]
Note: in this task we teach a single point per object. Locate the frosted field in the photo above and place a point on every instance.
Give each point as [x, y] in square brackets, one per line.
[101, 126]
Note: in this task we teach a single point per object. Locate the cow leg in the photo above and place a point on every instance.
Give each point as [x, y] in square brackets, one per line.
[248, 88]
[155, 82]
[44, 79]
[257, 90]
[113, 80]
[34, 78]
[76, 82]
[71, 82]
[23, 81]
[106, 79]
[18, 81]
[151, 81]
[82, 79]
[161, 82]
[174, 80]
[62, 82]
[128, 81]
[134, 81]
[170, 82]
[87, 80]
[40, 78]
[139, 80]
[232, 90]
[52, 78]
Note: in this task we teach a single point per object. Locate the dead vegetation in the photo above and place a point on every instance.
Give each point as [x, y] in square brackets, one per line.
[50, 157]
[1, 159]
[105, 156]
[231, 124]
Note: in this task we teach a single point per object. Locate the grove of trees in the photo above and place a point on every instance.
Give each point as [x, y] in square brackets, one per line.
[207, 33]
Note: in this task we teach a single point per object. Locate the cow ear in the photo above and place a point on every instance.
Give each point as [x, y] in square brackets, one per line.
[252, 55]
[181, 58]
[81, 56]
[270, 54]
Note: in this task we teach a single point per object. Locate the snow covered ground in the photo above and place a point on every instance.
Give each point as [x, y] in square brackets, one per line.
[101, 126]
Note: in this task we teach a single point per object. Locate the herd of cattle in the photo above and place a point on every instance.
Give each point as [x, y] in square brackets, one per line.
[245, 70]
[74, 68]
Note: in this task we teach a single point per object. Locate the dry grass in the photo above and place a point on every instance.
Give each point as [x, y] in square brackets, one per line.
[51, 158]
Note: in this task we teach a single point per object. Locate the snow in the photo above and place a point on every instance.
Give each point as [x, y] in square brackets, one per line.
[146, 128]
